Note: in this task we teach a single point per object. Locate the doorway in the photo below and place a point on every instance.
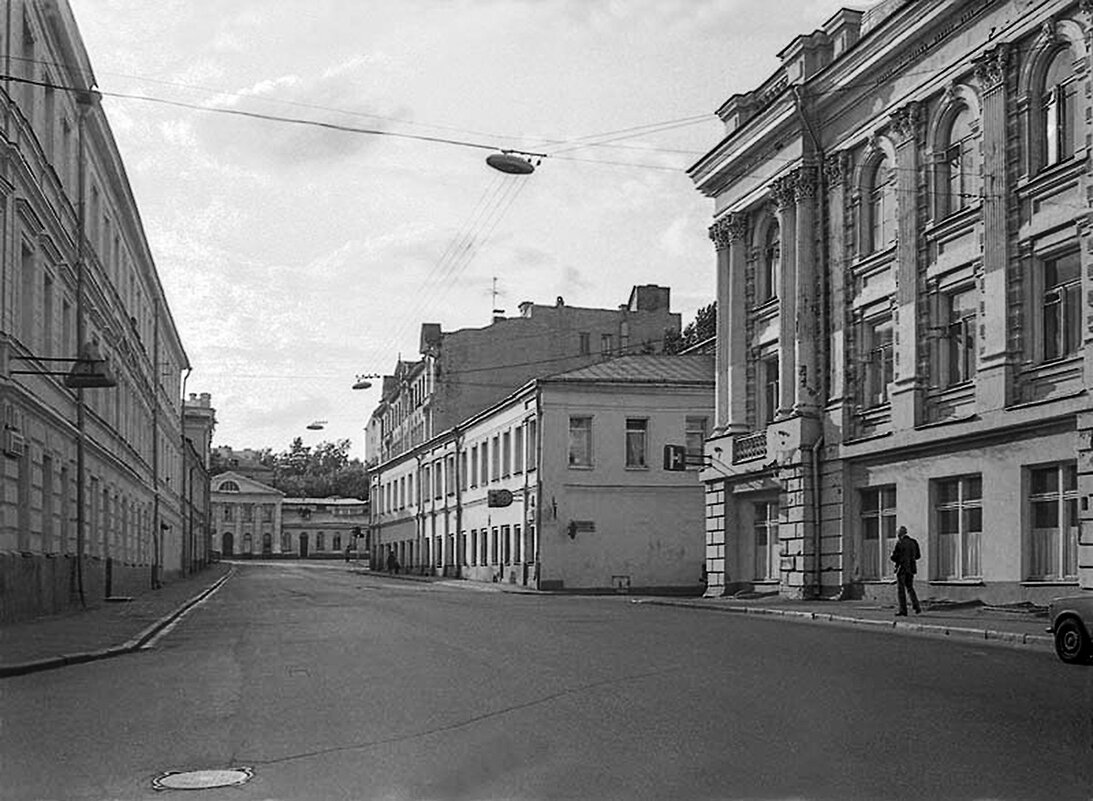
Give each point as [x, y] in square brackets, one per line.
[228, 548]
[303, 545]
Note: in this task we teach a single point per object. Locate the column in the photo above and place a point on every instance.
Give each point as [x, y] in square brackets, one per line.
[728, 234]
[834, 176]
[994, 380]
[907, 393]
[808, 297]
[783, 192]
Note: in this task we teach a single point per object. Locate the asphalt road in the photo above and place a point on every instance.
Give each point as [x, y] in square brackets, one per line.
[332, 685]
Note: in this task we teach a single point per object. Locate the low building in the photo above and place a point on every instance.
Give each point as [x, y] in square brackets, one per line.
[246, 517]
[324, 528]
[560, 485]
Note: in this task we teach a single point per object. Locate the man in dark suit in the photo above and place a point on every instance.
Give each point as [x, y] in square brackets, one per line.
[905, 555]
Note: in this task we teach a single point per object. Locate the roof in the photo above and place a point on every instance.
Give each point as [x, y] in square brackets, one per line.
[246, 485]
[697, 369]
[326, 501]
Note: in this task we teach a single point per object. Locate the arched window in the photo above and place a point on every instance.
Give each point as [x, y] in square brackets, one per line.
[228, 486]
[767, 285]
[286, 542]
[881, 207]
[1058, 108]
[959, 184]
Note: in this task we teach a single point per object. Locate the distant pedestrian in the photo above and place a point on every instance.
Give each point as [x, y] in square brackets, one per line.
[347, 549]
[905, 554]
[392, 562]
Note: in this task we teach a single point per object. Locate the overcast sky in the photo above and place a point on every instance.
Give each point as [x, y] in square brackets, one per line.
[296, 257]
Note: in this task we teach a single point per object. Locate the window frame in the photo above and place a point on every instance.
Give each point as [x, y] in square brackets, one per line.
[586, 459]
[876, 358]
[882, 568]
[966, 561]
[638, 429]
[1065, 537]
[767, 563]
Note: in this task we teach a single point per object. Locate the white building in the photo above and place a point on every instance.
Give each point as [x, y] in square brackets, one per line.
[573, 464]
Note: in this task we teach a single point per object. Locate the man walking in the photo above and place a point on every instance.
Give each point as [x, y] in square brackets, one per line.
[905, 554]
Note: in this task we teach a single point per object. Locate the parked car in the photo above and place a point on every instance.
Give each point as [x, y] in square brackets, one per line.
[1072, 626]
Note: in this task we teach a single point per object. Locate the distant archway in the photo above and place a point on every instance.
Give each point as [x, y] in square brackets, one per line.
[228, 546]
[267, 544]
[303, 545]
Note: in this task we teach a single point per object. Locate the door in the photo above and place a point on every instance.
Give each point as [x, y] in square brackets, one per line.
[228, 548]
[303, 545]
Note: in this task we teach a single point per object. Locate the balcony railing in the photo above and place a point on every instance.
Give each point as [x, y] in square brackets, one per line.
[749, 446]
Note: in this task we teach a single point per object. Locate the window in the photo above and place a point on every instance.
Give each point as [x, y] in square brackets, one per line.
[426, 482]
[518, 450]
[1059, 108]
[506, 454]
[228, 486]
[228, 511]
[506, 545]
[286, 542]
[695, 440]
[267, 513]
[769, 397]
[580, 441]
[474, 547]
[585, 343]
[959, 527]
[881, 208]
[958, 310]
[877, 358]
[1061, 308]
[1053, 497]
[533, 444]
[495, 459]
[494, 545]
[767, 284]
[958, 185]
[767, 565]
[438, 479]
[606, 344]
[320, 541]
[636, 441]
[337, 546]
[463, 470]
[248, 513]
[474, 466]
[878, 532]
[449, 475]
[485, 463]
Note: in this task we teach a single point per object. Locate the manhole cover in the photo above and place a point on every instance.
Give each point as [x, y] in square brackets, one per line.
[202, 779]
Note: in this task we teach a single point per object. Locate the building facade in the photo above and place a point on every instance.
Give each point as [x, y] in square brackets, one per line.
[90, 504]
[324, 528]
[560, 486]
[462, 372]
[904, 306]
[253, 520]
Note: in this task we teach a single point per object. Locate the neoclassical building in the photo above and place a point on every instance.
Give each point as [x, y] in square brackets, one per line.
[905, 282]
[90, 476]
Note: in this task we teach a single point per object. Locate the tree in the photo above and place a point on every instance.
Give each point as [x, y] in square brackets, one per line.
[703, 327]
[320, 472]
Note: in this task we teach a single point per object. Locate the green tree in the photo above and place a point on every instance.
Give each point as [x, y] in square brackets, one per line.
[321, 472]
[703, 327]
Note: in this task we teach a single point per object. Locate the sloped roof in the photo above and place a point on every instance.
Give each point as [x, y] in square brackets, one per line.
[697, 369]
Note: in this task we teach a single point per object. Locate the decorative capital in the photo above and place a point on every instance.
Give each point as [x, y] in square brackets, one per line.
[728, 229]
[905, 121]
[805, 181]
[836, 166]
[782, 191]
[990, 69]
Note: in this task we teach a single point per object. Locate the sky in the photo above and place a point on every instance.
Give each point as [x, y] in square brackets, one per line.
[297, 257]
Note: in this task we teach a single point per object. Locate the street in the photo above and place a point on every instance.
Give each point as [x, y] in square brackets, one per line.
[332, 684]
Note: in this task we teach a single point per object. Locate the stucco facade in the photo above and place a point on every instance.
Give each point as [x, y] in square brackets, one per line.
[905, 333]
[75, 269]
[580, 497]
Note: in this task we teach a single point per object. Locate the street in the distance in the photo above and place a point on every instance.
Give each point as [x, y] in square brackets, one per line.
[332, 683]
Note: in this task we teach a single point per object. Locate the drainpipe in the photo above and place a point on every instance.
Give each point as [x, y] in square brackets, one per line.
[538, 480]
[457, 559]
[816, 523]
[187, 510]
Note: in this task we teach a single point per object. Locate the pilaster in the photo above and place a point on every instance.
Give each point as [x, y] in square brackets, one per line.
[783, 192]
[807, 393]
[907, 393]
[994, 381]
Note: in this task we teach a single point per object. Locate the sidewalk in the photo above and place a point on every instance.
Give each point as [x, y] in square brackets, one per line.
[1021, 625]
[103, 630]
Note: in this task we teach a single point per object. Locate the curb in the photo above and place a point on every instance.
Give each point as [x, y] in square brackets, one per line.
[1039, 641]
[128, 647]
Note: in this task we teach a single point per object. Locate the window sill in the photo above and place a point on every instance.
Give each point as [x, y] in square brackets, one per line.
[879, 581]
[871, 437]
[639, 468]
[957, 583]
[580, 467]
[1050, 583]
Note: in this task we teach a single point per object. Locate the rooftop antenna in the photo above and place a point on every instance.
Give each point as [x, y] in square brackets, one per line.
[495, 293]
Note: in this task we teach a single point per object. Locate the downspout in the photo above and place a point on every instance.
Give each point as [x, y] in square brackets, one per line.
[821, 341]
[186, 481]
[457, 558]
[817, 525]
[538, 480]
[155, 445]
